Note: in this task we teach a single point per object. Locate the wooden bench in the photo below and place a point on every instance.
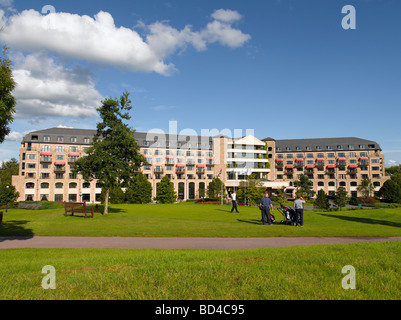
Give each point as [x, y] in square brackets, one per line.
[78, 207]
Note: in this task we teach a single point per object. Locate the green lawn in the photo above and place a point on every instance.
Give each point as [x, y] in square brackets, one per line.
[305, 273]
[196, 220]
[311, 272]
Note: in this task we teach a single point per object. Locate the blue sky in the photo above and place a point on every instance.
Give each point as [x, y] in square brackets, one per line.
[283, 68]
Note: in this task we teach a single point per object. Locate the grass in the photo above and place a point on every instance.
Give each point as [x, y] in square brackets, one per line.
[197, 220]
[304, 273]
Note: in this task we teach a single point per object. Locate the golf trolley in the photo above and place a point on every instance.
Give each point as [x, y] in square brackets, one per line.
[290, 217]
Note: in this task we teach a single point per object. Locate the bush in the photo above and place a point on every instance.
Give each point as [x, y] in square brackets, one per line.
[354, 201]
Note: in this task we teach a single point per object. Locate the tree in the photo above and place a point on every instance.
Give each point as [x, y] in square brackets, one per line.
[304, 186]
[114, 155]
[390, 191]
[340, 198]
[366, 188]
[116, 195]
[216, 189]
[393, 170]
[7, 101]
[322, 202]
[139, 191]
[8, 194]
[252, 189]
[165, 191]
[7, 170]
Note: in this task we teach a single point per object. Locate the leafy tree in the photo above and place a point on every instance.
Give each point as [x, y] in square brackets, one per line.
[216, 189]
[139, 191]
[322, 202]
[252, 189]
[304, 186]
[393, 170]
[280, 199]
[8, 194]
[366, 188]
[114, 155]
[390, 191]
[7, 170]
[340, 198]
[165, 191]
[7, 101]
[116, 195]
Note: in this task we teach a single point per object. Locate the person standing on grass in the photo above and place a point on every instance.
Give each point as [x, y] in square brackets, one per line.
[299, 210]
[234, 201]
[265, 205]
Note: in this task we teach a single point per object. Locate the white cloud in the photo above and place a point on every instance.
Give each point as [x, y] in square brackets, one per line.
[98, 40]
[227, 16]
[45, 88]
[16, 136]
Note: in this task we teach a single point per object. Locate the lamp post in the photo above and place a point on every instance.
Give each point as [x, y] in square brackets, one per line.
[7, 198]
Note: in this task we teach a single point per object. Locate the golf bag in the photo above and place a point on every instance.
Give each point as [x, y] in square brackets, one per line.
[272, 217]
[290, 217]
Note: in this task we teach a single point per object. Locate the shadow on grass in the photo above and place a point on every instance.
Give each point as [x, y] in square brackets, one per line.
[15, 228]
[364, 220]
[252, 221]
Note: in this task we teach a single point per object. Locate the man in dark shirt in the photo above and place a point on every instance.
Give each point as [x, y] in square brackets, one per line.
[265, 205]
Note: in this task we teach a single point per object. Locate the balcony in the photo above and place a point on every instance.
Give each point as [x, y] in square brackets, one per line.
[158, 169]
[59, 169]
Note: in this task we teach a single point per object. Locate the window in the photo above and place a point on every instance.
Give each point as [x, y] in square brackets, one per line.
[331, 184]
[73, 149]
[32, 156]
[59, 157]
[31, 165]
[353, 184]
[58, 197]
[341, 155]
[73, 139]
[329, 147]
[86, 185]
[45, 175]
[34, 138]
[30, 185]
[290, 156]
[340, 147]
[330, 155]
[72, 185]
[60, 139]
[289, 149]
[319, 148]
[352, 154]
[60, 148]
[86, 140]
[361, 146]
[59, 185]
[309, 155]
[342, 184]
[375, 160]
[46, 148]
[298, 148]
[44, 185]
[320, 184]
[351, 147]
[46, 138]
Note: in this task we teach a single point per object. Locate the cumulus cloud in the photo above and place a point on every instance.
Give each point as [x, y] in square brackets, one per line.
[45, 88]
[99, 40]
[16, 136]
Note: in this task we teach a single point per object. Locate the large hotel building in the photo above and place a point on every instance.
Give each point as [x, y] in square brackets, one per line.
[191, 162]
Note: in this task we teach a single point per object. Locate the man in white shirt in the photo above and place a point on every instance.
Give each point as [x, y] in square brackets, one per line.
[234, 201]
[299, 210]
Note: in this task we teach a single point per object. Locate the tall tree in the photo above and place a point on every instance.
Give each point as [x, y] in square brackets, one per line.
[139, 191]
[114, 155]
[322, 202]
[216, 189]
[341, 199]
[390, 191]
[7, 100]
[165, 191]
[304, 186]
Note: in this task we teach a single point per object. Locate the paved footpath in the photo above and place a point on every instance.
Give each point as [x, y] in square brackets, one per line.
[178, 243]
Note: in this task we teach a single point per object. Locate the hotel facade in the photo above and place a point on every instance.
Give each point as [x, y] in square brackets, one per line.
[191, 162]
